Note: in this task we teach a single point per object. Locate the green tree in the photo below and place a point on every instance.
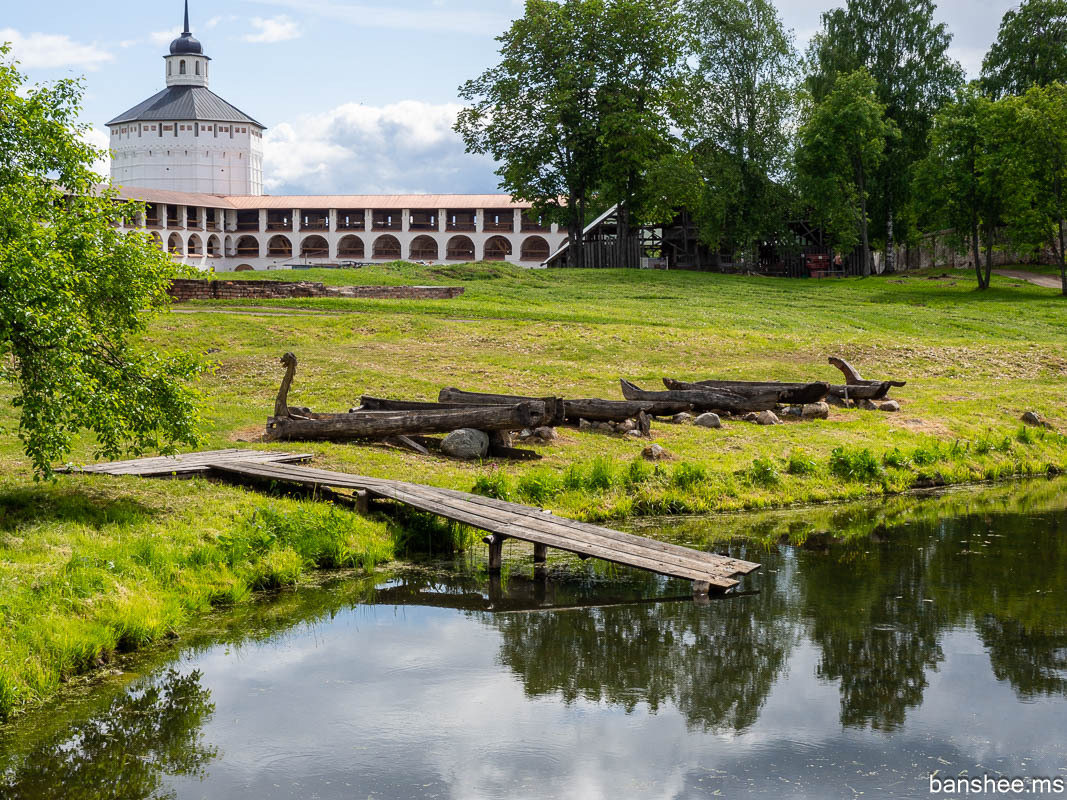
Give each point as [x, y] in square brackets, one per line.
[977, 177]
[842, 141]
[745, 102]
[906, 52]
[1030, 50]
[535, 112]
[76, 292]
[1044, 122]
[643, 92]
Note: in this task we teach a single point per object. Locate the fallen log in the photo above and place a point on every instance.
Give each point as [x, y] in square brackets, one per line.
[591, 409]
[788, 393]
[872, 390]
[384, 424]
[854, 379]
[368, 403]
[596, 410]
[553, 405]
[706, 399]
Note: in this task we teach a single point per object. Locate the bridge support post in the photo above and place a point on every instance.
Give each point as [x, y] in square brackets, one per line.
[496, 552]
[701, 589]
[540, 560]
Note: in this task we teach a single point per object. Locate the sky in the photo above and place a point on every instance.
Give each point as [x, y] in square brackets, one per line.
[358, 96]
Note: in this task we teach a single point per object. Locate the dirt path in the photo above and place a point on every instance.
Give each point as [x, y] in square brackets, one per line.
[1047, 281]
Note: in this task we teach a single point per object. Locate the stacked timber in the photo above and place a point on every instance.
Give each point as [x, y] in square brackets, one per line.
[783, 393]
[591, 409]
[407, 424]
[856, 387]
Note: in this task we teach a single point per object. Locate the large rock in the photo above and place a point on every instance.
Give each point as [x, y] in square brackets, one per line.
[545, 433]
[466, 443]
[708, 420]
[655, 452]
[889, 405]
[815, 411]
[1033, 418]
[768, 418]
[682, 419]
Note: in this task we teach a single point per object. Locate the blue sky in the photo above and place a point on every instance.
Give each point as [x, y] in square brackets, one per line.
[358, 96]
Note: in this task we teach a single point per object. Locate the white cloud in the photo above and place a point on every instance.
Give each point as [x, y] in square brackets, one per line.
[50, 50]
[98, 138]
[165, 37]
[274, 29]
[403, 147]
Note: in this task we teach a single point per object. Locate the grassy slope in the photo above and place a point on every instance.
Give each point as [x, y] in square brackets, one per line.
[91, 565]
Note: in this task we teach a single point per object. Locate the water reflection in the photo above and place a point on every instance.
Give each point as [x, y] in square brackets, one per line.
[123, 752]
[877, 644]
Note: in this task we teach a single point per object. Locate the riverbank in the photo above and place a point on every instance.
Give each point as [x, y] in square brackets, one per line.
[91, 565]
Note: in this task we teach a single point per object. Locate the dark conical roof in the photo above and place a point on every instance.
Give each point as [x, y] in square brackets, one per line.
[185, 104]
[186, 44]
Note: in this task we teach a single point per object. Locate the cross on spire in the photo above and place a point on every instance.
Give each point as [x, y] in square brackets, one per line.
[186, 30]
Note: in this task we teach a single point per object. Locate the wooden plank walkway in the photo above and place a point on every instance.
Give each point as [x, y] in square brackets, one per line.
[500, 519]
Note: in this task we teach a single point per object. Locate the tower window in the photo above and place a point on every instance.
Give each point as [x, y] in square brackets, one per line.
[197, 67]
[181, 67]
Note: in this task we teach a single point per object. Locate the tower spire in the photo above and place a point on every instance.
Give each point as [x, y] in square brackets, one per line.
[186, 30]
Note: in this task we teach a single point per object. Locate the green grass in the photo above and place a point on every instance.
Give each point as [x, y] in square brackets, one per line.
[93, 565]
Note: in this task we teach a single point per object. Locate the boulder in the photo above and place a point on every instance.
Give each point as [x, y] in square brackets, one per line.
[889, 405]
[708, 420]
[500, 439]
[751, 416]
[768, 418]
[585, 425]
[626, 426]
[605, 427]
[634, 434]
[815, 411]
[466, 443]
[682, 419]
[655, 452]
[1033, 418]
[545, 433]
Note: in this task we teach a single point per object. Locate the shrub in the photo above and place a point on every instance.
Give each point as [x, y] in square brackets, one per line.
[496, 485]
[1025, 436]
[639, 472]
[763, 472]
[537, 486]
[925, 456]
[572, 477]
[800, 463]
[855, 465]
[895, 458]
[601, 474]
[686, 475]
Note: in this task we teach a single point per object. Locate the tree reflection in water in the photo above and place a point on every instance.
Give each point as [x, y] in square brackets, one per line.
[715, 663]
[123, 752]
[877, 604]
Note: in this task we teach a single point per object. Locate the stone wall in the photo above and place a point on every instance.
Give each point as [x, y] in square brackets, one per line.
[183, 290]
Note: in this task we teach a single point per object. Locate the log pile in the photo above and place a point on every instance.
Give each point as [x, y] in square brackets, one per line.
[491, 419]
[408, 424]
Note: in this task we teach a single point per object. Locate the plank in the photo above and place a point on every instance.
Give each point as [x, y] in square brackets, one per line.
[531, 526]
[187, 463]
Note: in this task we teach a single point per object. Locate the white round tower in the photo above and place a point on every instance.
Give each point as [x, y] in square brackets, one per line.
[186, 138]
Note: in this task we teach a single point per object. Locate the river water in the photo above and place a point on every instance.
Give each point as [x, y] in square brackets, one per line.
[880, 644]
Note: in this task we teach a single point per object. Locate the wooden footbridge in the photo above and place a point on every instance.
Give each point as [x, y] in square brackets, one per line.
[501, 520]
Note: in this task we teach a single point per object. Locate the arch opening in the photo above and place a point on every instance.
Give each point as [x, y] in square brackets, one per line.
[214, 247]
[534, 248]
[195, 247]
[247, 247]
[459, 248]
[423, 248]
[279, 247]
[314, 247]
[350, 247]
[387, 247]
[497, 248]
[174, 245]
